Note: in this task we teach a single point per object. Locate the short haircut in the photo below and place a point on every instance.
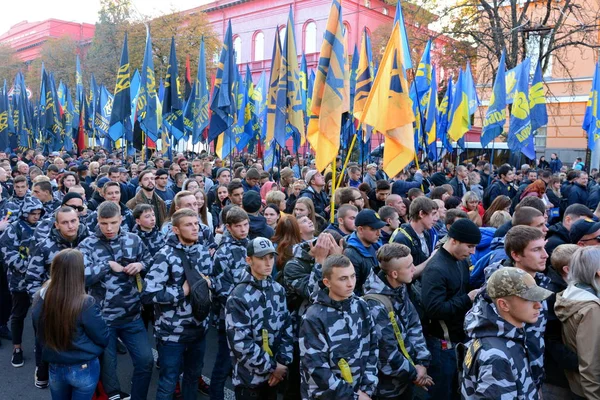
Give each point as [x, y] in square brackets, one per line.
[584, 267]
[382, 185]
[561, 256]
[236, 215]
[108, 209]
[453, 214]
[346, 195]
[62, 210]
[421, 204]
[354, 169]
[110, 184]
[438, 192]
[343, 210]
[390, 251]
[45, 186]
[504, 170]
[518, 237]
[180, 214]
[113, 170]
[52, 168]
[386, 212]
[252, 173]
[143, 173]
[532, 201]
[20, 179]
[275, 197]
[414, 192]
[140, 209]
[578, 210]
[525, 216]
[334, 261]
[233, 185]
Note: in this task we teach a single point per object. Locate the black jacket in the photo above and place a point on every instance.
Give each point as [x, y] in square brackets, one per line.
[320, 200]
[577, 194]
[413, 242]
[557, 235]
[445, 284]
[259, 227]
[458, 188]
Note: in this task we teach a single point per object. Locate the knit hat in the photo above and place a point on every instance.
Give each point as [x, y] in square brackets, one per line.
[465, 231]
[251, 201]
[438, 179]
[221, 170]
[71, 195]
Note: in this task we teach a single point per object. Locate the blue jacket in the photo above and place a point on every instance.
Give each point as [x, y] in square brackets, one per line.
[483, 248]
[248, 187]
[363, 259]
[577, 194]
[259, 227]
[555, 166]
[402, 187]
[90, 338]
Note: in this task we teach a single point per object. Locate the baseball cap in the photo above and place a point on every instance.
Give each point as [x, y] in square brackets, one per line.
[102, 181]
[510, 281]
[369, 218]
[123, 170]
[54, 154]
[260, 247]
[309, 175]
[581, 228]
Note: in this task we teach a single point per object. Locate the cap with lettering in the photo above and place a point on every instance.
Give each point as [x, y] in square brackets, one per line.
[260, 247]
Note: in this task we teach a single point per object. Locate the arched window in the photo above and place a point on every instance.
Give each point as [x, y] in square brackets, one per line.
[347, 29]
[282, 35]
[310, 37]
[259, 46]
[384, 11]
[368, 3]
[237, 48]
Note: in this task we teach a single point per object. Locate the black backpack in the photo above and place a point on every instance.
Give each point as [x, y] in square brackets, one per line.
[200, 295]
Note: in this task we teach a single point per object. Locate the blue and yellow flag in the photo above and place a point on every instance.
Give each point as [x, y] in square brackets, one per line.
[520, 135]
[273, 88]
[537, 100]
[471, 90]
[590, 120]
[103, 111]
[495, 116]
[364, 82]
[432, 110]
[260, 107]
[78, 92]
[511, 82]
[196, 110]
[148, 107]
[444, 118]
[223, 103]
[5, 116]
[388, 108]
[120, 121]
[423, 77]
[459, 118]
[399, 19]
[329, 100]
[172, 102]
[288, 110]
[304, 86]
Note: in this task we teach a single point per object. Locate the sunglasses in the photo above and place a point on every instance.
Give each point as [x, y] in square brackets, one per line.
[78, 208]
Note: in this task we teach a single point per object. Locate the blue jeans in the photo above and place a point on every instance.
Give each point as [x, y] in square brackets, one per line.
[76, 382]
[222, 367]
[170, 355]
[443, 371]
[135, 338]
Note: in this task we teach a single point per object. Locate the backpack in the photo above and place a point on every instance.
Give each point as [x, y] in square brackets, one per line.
[200, 295]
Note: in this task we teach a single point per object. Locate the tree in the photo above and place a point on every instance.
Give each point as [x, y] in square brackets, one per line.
[9, 64]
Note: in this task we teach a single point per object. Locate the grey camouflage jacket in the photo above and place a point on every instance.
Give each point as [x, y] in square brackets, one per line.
[205, 236]
[38, 269]
[117, 293]
[16, 243]
[164, 287]
[396, 372]
[252, 307]
[154, 240]
[332, 332]
[497, 364]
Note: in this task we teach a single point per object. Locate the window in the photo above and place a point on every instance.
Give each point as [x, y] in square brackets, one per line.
[237, 48]
[282, 35]
[310, 38]
[259, 46]
[368, 3]
[385, 11]
[347, 29]
[532, 45]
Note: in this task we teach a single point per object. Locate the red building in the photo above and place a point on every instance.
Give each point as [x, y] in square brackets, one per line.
[27, 38]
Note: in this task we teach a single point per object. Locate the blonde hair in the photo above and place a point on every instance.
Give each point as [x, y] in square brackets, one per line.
[499, 218]
[561, 256]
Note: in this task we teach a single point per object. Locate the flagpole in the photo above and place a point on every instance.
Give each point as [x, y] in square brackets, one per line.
[332, 198]
[339, 181]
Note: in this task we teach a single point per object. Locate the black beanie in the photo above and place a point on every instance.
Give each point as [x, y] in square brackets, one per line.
[464, 230]
[71, 195]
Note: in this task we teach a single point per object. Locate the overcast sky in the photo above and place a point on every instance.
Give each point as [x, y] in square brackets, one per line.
[81, 10]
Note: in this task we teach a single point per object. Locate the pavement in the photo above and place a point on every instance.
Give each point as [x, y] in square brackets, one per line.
[17, 383]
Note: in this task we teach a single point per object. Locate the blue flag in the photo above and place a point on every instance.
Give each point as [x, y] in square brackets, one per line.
[120, 122]
[172, 103]
[5, 116]
[399, 18]
[537, 100]
[443, 118]
[431, 118]
[423, 77]
[103, 111]
[199, 107]
[520, 135]
[511, 82]
[590, 120]
[495, 116]
[148, 106]
[471, 90]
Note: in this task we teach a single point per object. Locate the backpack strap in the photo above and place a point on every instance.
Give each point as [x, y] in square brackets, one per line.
[402, 231]
[387, 303]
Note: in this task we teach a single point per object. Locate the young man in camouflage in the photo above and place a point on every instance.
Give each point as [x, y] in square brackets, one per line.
[403, 359]
[497, 363]
[114, 262]
[259, 328]
[181, 338]
[229, 266]
[338, 340]
[15, 245]
[145, 227]
[43, 191]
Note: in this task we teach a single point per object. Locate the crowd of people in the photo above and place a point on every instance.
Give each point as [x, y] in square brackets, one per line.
[473, 281]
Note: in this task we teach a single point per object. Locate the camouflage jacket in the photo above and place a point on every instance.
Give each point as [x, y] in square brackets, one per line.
[396, 372]
[117, 293]
[533, 333]
[497, 364]
[332, 332]
[38, 269]
[16, 243]
[13, 204]
[127, 222]
[164, 287]
[50, 207]
[255, 306]
[154, 240]
[45, 227]
[230, 264]
[205, 236]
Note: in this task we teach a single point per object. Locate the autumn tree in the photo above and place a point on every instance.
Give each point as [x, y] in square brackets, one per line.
[9, 64]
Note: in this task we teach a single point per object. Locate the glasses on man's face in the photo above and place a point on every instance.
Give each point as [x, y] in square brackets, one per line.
[78, 208]
[358, 199]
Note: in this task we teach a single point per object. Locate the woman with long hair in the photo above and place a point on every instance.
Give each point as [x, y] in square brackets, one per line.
[305, 207]
[500, 203]
[70, 328]
[287, 235]
[66, 180]
[205, 216]
[217, 206]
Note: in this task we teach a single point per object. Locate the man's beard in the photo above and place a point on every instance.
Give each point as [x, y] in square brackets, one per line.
[147, 188]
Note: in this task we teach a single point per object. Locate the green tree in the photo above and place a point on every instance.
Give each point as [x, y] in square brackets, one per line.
[9, 64]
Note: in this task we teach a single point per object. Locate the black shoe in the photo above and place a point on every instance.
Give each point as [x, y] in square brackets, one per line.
[121, 349]
[17, 358]
[203, 387]
[41, 377]
[5, 332]
[125, 396]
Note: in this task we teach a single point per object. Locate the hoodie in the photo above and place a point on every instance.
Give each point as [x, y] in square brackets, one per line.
[259, 227]
[154, 240]
[557, 235]
[396, 372]
[485, 245]
[364, 259]
[497, 363]
[16, 243]
[333, 332]
[578, 308]
[163, 287]
[38, 270]
[256, 306]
